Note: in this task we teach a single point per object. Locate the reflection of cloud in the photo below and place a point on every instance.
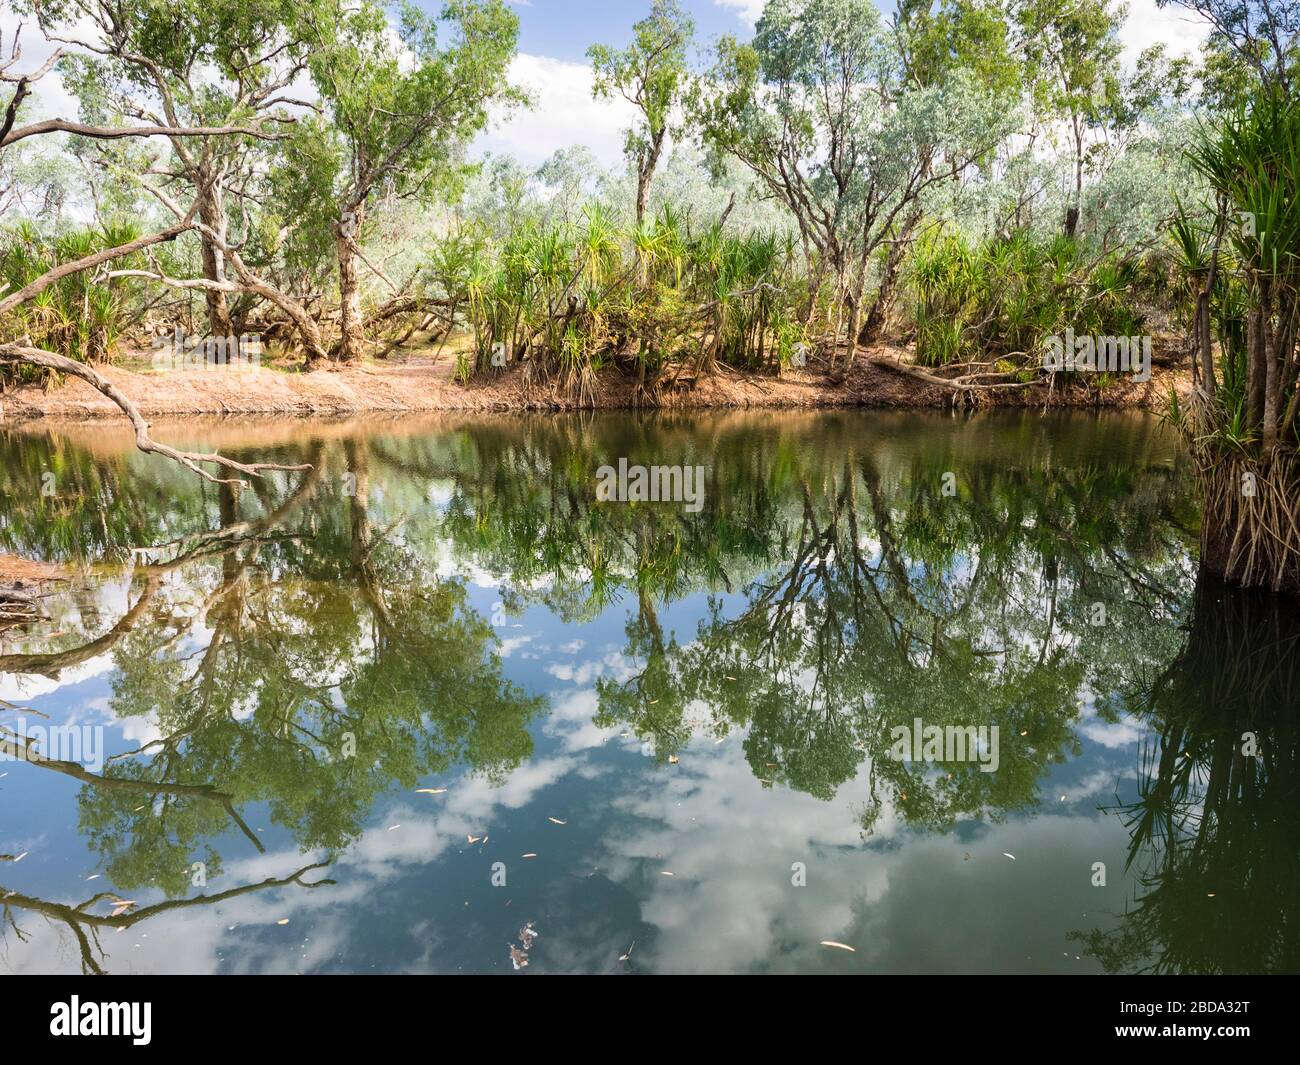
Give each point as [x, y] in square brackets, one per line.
[570, 721]
[17, 687]
[512, 644]
[1123, 733]
[730, 844]
[614, 664]
[916, 905]
[239, 934]
[466, 809]
[1099, 783]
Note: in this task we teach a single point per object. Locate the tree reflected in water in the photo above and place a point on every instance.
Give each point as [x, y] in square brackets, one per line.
[305, 643]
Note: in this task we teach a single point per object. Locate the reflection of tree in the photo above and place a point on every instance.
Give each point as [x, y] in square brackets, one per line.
[849, 593]
[85, 926]
[846, 594]
[296, 657]
[1214, 832]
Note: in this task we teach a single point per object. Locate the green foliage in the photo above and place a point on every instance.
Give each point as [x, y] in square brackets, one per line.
[1003, 296]
[568, 296]
[78, 316]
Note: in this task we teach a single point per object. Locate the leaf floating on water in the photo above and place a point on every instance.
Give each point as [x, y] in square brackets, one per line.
[839, 946]
[429, 791]
[556, 821]
[519, 955]
[1008, 854]
[283, 920]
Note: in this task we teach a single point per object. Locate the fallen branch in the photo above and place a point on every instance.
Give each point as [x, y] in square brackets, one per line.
[966, 383]
[190, 459]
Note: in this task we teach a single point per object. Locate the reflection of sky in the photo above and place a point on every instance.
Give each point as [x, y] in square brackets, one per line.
[413, 895]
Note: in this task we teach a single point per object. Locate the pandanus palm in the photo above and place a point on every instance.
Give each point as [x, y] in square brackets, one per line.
[1245, 431]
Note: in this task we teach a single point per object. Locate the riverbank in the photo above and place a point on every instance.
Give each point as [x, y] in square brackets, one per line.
[421, 383]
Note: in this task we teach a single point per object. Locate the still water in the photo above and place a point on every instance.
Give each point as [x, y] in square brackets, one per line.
[431, 706]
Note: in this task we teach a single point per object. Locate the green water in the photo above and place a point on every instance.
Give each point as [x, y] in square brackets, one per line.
[386, 714]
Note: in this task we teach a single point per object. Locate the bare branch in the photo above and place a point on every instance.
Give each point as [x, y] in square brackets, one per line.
[190, 459]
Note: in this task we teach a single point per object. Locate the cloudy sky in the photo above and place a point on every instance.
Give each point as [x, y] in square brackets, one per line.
[553, 39]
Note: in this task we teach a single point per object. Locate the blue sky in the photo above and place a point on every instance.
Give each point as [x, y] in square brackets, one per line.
[554, 36]
[563, 29]
[553, 40]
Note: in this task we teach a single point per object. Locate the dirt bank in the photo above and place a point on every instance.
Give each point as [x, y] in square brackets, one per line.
[421, 384]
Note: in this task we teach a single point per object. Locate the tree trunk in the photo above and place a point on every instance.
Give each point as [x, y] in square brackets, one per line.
[1272, 371]
[1072, 212]
[642, 194]
[876, 318]
[352, 336]
[1256, 331]
[212, 214]
[1204, 338]
[645, 173]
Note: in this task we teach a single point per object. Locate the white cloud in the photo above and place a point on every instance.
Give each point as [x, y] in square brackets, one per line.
[1177, 29]
[745, 10]
[563, 114]
[49, 99]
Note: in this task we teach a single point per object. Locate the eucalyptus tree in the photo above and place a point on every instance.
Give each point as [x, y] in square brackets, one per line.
[652, 75]
[400, 104]
[217, 63]
[935, 41]
[1073, 52]
[16, 347]
[1259, 36]
[819, 109]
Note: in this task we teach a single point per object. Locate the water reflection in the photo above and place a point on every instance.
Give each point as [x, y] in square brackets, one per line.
[294, 656]
[1215, 831]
